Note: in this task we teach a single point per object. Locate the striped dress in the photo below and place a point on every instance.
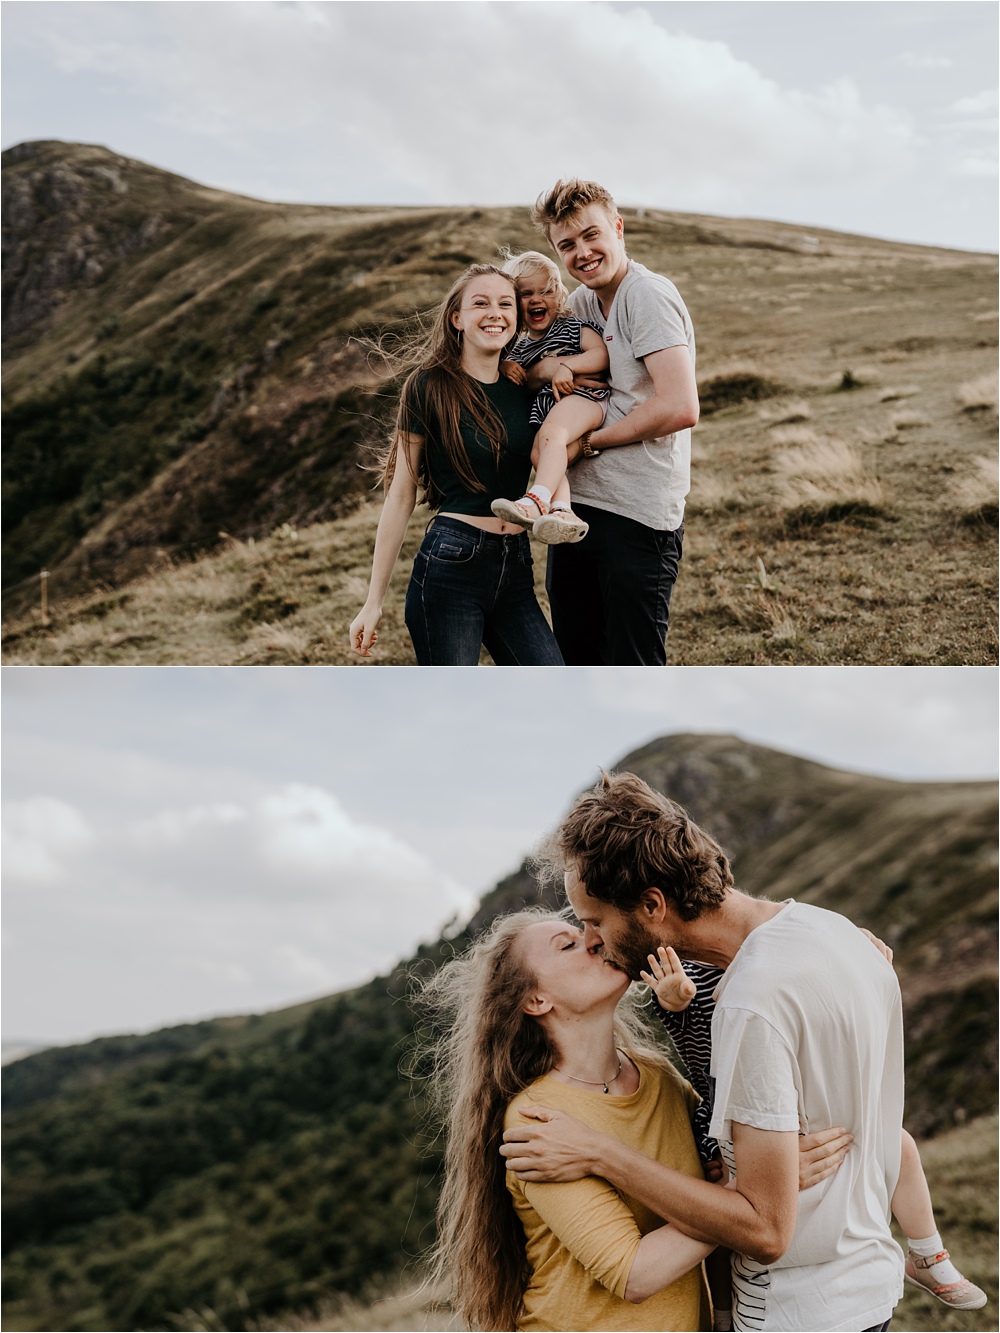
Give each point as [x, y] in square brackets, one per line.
[691, 1032]
[561, 338]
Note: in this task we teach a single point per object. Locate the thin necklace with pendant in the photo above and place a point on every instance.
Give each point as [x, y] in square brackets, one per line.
[601, 1083]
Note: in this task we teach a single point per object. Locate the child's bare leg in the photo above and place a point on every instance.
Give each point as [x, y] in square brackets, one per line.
[913, 1210]
[561, 494]
[567, 421]
[911, 1202]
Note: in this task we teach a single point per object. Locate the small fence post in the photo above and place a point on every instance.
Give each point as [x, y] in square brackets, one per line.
[44, 582]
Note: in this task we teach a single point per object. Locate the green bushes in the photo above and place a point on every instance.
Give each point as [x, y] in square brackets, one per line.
[278, 1171]
[88, 441]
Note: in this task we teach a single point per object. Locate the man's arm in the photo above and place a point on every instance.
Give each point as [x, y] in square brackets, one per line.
[673, 405]
[757, 1218]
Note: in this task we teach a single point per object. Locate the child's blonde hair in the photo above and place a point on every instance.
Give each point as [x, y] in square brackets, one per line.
[533, 261]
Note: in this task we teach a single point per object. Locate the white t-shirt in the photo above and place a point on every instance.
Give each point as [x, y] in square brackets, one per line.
[646, 481]
[808, 1034]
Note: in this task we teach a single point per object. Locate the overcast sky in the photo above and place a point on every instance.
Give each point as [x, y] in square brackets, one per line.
[181, 842]
[859, 115]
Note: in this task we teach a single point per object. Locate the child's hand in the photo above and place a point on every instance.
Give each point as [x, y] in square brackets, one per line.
[715, 1171]
[514, 371]
[673, 987]
[562, 381]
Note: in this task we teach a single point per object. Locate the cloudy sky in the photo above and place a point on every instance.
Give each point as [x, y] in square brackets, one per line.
[872, 116]
[181, 842]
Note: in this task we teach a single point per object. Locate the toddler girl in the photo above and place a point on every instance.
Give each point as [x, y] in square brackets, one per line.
[558, 344]
[684, 1003]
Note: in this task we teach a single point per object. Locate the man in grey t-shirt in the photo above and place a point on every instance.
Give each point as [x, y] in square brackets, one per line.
[610, 594]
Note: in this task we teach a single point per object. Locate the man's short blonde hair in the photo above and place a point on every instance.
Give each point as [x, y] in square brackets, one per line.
[566, 199]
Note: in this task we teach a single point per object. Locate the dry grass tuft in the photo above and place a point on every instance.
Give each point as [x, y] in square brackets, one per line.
[786, 414]
[801, 436]
[978, 395]
[894, 395]
[402, 1311]
[735, 383]
[291, 641]
[825, 480]
[907, 420]
[389, 1308]
[714, 494]
[782, 628]
[976, 494]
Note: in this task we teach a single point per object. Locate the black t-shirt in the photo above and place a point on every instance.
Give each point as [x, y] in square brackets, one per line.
[506, 476]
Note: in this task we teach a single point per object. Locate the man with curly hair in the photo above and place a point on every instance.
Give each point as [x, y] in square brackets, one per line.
[807, 1034]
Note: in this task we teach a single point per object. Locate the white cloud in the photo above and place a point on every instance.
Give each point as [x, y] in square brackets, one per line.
[973, 106]
[305, 829]
[913, 60]
[904, 722]
[212, 907]
[39, 835]
[670, 119]
[976, 166]
[172, 827]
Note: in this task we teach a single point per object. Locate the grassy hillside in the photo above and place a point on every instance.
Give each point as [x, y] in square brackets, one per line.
[246, 1167]
[180, 365]
[961, 1169]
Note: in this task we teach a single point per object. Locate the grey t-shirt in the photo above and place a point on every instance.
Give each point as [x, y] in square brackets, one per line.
[646, 481]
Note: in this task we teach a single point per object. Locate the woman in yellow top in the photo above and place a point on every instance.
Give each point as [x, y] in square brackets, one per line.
[530, 1015]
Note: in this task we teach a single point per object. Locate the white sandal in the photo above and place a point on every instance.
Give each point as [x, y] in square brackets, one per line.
[559, 525]
[513, 511]
[964, 1295]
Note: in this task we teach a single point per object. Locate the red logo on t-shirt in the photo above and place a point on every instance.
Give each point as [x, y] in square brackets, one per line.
[609, 337]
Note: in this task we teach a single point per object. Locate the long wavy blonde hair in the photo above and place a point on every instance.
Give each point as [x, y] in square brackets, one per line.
[484, 1051]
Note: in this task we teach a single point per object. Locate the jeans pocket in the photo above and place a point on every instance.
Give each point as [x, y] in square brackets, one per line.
[524, 552]
[419, 573]
[452, 548]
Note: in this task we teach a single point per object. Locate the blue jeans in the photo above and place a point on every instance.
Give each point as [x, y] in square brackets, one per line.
[610, 593]
[470, 587]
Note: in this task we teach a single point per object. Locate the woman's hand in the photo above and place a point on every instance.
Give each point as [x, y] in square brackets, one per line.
[821, 1154]
[881, 945]
[363, 629]
[513, 370]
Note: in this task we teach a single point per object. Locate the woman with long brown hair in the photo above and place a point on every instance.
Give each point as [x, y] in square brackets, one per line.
[528, 1014]
[462, 438]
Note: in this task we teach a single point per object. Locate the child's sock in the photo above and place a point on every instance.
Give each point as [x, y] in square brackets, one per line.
[945, 1271]
[723, 1321]
[543, 493]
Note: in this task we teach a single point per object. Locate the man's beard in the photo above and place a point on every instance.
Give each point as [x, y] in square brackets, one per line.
[631, 952]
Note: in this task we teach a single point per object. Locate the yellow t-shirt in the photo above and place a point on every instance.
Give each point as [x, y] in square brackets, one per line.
[582, 1235]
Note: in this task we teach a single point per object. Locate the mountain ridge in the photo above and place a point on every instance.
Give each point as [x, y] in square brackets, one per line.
[187, 368]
